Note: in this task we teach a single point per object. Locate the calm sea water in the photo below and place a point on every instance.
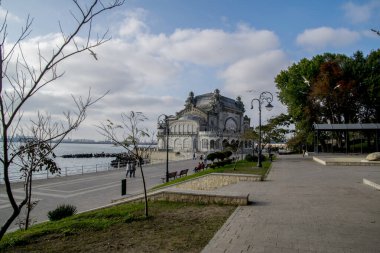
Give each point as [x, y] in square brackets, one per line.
[73, 166]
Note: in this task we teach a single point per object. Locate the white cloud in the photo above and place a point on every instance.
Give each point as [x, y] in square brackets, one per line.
[133, 24]
[360, 13]
[143, 71]
[255, 73]
[323, 37]
[211, 47]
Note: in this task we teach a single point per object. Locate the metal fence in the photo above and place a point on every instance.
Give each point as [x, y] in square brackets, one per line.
[16, 176]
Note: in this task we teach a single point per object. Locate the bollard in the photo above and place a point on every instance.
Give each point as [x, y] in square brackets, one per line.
[123, 186]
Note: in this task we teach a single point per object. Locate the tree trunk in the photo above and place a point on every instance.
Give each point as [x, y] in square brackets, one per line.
[145, 193]
[29, 197]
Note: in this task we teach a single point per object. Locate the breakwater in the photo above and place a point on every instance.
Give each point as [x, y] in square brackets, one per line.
[93, 155]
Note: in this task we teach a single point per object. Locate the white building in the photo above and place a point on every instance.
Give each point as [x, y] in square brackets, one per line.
[206, 122]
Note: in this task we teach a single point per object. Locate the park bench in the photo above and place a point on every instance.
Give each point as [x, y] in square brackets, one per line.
[183, 173]
[170, 175]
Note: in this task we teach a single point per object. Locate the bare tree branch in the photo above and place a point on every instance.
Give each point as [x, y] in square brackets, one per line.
[26, 81]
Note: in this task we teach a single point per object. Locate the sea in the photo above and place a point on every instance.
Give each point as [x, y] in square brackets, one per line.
[73, 166]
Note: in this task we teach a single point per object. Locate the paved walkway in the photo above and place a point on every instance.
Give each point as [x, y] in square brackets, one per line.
[305, 207]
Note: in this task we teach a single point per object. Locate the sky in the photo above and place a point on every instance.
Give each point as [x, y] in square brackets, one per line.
[161, 50]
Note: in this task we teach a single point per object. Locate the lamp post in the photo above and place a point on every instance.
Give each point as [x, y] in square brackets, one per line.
[265, 96]
[163, 122]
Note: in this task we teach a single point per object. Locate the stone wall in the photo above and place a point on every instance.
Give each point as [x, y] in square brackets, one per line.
[216, 180]
[160, 156]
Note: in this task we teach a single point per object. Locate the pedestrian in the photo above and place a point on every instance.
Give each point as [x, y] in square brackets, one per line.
[128, 169]
[201, 157]
[133, 171]
[303, 150]
[193, 156]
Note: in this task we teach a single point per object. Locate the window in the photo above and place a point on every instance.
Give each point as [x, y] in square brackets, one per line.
[204, 144]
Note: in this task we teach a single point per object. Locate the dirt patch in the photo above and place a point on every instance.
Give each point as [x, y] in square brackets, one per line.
[170, 228]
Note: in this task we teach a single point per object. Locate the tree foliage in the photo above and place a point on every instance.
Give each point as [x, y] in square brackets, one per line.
[331, 88]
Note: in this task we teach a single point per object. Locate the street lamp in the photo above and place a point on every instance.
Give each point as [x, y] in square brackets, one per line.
[265, 96]
[163, 123]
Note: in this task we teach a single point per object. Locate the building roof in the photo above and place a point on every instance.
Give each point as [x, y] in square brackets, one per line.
[208, 101]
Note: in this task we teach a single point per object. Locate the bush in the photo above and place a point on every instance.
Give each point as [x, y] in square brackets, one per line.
[211, 157]
[227, 153]
[251, 158]
[61, 212]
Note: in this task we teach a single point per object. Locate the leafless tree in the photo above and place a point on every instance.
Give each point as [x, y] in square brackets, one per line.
[21, 80]
[129, 135]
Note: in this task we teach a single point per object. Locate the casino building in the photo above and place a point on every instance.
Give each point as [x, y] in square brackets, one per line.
[205, 124]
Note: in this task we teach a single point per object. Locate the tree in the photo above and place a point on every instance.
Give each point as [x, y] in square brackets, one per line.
[34, 156]
[21, 80]
[331, 88]
[129, 135]
[275, 130]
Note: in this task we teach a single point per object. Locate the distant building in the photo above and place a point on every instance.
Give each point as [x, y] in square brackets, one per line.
[206, 122]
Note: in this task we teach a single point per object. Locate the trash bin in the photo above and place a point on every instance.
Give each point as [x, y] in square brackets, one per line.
[124, 186]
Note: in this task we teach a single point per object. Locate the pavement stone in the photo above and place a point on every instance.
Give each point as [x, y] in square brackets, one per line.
[304, 207]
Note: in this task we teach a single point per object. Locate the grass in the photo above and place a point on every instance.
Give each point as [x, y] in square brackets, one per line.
[179, 227]
[242, 167]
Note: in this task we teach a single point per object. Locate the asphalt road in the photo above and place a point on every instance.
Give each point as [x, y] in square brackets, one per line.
[86, 191]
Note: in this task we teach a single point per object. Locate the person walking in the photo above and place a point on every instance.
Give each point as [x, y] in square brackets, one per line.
[133, 171]
[128, 169]
[303, 150]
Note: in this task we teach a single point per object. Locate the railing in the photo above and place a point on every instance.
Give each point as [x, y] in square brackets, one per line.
[16, 176]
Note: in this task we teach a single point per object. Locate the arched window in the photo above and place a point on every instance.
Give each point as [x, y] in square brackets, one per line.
[177, 144]
[230, 125]
[212, 144]
[161, 144]
[204, 144]
[186, 144]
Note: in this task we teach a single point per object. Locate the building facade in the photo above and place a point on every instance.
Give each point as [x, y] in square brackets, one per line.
[206, 123]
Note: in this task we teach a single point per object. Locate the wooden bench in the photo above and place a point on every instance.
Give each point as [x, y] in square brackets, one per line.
[170, 175]
[183, 173]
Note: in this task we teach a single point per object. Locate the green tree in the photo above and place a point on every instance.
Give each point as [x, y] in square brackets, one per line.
[331, 88]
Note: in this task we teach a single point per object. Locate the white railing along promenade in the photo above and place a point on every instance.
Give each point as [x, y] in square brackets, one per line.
[16, 176]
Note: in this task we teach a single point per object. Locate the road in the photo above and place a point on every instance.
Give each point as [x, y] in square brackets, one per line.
[86, 191]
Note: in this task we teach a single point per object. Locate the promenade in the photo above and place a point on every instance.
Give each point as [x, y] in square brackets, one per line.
[305, 207]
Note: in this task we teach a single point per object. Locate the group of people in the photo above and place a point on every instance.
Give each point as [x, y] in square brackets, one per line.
[201, 166]
[131, 168]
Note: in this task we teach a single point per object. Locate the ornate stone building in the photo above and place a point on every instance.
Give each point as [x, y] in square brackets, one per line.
[204, 124]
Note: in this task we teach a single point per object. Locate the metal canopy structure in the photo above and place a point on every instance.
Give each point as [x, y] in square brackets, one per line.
[370, 130]
[332, 127]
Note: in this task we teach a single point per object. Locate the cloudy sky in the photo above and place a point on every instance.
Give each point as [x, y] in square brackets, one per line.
[163, 49]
